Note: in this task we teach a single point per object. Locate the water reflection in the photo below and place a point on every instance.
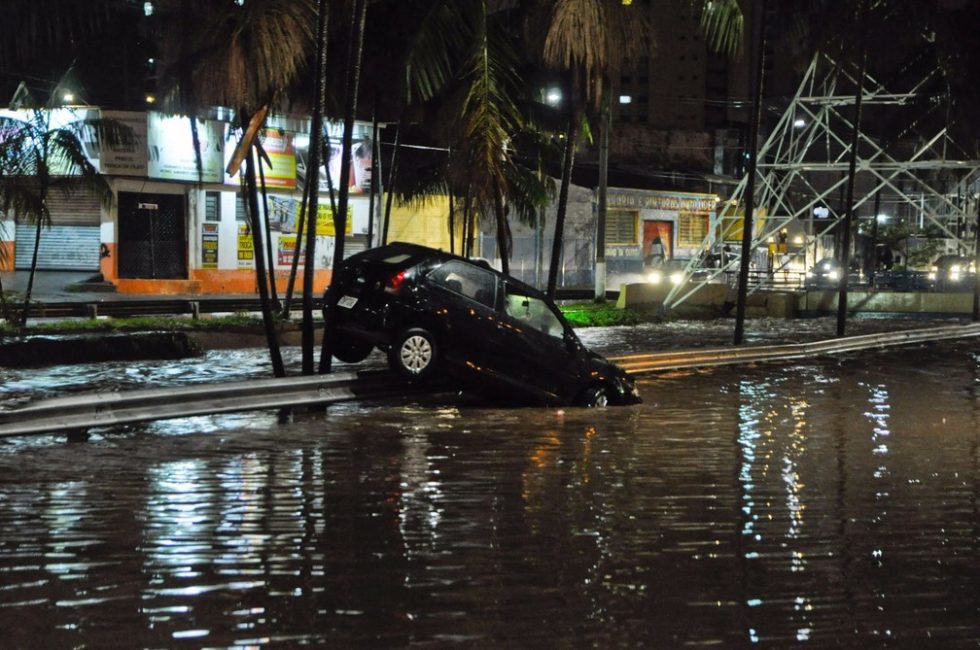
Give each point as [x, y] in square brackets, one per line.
[824, 504]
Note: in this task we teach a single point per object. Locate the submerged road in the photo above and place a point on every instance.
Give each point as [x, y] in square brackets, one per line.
[81, 412]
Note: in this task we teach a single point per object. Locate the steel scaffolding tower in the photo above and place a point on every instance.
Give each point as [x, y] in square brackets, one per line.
[803, 166]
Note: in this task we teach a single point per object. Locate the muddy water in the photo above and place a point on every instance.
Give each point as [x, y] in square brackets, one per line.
[832, 503]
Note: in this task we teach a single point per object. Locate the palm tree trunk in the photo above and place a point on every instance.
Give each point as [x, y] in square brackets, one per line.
[851, 173]
[392, 176]
[301, 220]
[373, 189]
[267, 318]
[501, 219]
[566, 178]
[274, 295]
[452, 222]
[340, 216]
[753, 150]
[605, 127]
[313, 181]
[33, 272]
[976, 265]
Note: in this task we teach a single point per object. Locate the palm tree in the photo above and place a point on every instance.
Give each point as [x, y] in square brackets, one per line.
[38, 158]
[586, 40]
[222, 53]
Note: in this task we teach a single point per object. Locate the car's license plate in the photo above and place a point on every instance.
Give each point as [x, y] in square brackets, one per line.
[347, 302]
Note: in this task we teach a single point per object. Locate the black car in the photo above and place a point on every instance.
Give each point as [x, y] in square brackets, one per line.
[826, 274]
[437, 314]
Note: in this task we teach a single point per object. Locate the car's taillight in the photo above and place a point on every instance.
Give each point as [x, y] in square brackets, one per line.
[395, 282]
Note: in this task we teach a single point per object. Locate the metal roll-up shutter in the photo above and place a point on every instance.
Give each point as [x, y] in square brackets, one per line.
[80, 208]
[63, 248]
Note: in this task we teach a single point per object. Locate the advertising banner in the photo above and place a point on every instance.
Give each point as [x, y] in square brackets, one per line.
[125, 159]
[285, 250]
[171, 148]
[324, 221]
[246, 252]
[209, 245]
[278, 145]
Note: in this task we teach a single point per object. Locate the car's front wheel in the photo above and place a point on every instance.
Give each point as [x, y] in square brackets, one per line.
[414, 353]
[595, 397]
[351, 351]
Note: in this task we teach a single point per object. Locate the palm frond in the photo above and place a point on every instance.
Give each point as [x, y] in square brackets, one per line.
[723, 25]
[432, 59]
[225, 54]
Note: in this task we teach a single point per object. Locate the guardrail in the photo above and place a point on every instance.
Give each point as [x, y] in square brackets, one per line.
[661, 361]
[81, 412]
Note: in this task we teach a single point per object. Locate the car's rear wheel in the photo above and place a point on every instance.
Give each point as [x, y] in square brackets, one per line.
[414, 353]
[350, 351]
[595, 397]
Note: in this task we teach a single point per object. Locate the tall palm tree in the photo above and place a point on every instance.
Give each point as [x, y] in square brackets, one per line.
[39, 158]
[586, 40]
[223, 53]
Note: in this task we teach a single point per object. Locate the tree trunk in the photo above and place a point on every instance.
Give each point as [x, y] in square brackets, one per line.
[502, 245]
[340, 216]
[273, 293]
[605, 126]
[753, 151]
[30, 278]
[392, 176]
[373, 189]
[313, 180]
[566, 179]
[851, 174]
[260, 274]
[294, 267]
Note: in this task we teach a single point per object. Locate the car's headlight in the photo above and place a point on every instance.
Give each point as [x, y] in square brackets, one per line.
[931, 275]
[833, 275]
[677, 277]
[655, 277]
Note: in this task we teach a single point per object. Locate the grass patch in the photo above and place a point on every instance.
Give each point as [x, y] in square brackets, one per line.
[590, 314]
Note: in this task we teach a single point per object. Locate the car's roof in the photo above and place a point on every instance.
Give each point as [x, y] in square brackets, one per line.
[417, 250]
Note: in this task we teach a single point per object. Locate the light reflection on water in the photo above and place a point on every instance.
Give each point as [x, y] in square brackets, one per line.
[827, 503]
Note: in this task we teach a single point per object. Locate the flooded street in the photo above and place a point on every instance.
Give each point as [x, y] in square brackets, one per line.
[825, 503]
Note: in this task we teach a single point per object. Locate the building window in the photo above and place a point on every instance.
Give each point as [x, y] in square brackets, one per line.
[240, 214]
[212, 206]
[692, 229]
[621, 226]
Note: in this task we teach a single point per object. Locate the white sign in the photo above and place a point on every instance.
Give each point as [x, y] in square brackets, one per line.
[170, 146]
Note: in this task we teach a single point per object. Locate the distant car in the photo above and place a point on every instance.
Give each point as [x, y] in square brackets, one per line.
[826, 274]
[437, 314]
[952, 273]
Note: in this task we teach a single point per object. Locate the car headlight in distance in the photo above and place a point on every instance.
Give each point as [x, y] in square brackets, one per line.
[833, 275]
[655, 277]
[676, 277]
[931, 275]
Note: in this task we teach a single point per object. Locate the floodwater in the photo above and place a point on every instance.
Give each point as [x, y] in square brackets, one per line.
[826, 503]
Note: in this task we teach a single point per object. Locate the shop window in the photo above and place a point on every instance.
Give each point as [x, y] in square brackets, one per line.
[212, 206]
[692, 229]
[621, 227]
[240, 214]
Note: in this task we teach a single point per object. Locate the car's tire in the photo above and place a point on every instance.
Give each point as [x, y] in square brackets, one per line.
[414, 353]
[595, 397]
[351, 351]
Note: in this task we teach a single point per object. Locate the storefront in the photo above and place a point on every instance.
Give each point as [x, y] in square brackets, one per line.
[647, 228]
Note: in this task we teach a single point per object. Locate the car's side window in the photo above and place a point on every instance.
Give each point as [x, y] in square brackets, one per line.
[466, 280]
[531, 311]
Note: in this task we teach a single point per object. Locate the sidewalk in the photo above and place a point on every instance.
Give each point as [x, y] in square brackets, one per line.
[61, 286]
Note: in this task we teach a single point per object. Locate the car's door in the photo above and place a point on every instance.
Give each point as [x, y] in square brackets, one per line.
[465, 295]
[538, 354]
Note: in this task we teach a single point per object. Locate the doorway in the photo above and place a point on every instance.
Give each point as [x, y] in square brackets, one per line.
[657, 242]
[152, 236]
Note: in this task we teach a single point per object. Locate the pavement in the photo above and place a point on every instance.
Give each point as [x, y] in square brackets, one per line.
[82, 286]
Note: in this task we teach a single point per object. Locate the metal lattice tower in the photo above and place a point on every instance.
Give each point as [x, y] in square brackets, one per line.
[804, 162]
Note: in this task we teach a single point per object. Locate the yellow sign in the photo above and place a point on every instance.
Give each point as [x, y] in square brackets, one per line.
[324, 221]
[246, 250]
